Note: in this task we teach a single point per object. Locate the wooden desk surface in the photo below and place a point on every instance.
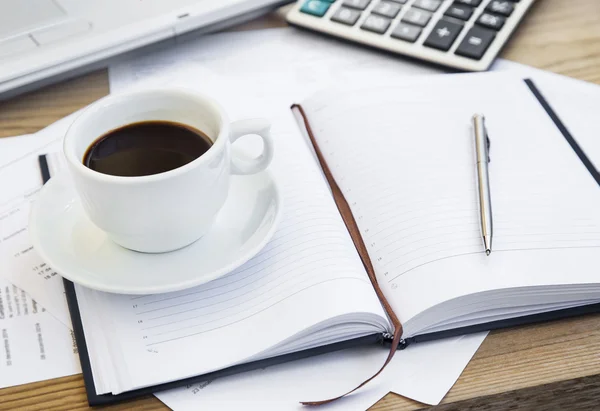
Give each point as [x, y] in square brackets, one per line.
[547, 366]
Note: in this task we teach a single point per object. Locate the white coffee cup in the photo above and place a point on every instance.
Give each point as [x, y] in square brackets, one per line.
[166, 211]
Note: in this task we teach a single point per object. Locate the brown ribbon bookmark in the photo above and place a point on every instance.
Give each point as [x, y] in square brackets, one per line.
[350, 222]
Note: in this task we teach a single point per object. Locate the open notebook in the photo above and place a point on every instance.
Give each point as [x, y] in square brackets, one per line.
[382, 226]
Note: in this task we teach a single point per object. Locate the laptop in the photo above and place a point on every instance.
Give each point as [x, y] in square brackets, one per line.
[43, 41]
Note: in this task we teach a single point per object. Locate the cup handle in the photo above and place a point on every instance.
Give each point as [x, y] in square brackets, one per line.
[260, 127]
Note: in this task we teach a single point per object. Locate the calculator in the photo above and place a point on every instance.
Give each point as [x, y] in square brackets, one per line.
[462, 34]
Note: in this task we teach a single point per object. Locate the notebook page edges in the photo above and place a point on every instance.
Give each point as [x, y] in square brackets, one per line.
[403, 156]
[308, 278]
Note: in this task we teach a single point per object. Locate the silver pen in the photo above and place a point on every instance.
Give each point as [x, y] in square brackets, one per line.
[482, 145]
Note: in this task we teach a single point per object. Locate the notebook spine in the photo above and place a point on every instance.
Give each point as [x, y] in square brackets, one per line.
[387, 338]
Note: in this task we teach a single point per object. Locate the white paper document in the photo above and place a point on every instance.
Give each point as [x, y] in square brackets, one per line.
[268, 61]
[421, 371]
[49, 139]
[21, 180]
[282, 387]
[26, 269]
[34, 346]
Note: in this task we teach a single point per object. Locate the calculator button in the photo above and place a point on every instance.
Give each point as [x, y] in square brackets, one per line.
[459, 12]
[430, 5]
[315, 7]
[406, 32]
[491, 21]
[357, 4]
[387, 9]
[472, 3]
[346, 16]
[418, 17]
[504, 8]
[475, 43]
[443, 35]
[376, 24]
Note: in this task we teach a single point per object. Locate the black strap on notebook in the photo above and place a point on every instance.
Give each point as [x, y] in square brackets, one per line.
[564, 130]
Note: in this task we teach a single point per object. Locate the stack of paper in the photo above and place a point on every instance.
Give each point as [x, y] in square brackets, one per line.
[35, 345]
[36, 340]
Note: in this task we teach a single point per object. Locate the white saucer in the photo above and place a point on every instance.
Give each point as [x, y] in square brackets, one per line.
[78, 250]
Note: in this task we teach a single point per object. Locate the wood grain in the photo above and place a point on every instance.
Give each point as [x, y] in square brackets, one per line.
[34, 111]
[546, 366]
[579, 394]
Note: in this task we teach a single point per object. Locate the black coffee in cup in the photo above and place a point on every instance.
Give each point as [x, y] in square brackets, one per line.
[146, 148]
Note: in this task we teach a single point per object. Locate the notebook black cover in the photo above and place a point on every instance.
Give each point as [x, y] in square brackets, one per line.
[104, 399]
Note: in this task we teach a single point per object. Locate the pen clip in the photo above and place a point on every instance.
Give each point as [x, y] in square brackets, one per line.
[482, 138]
[487, 139]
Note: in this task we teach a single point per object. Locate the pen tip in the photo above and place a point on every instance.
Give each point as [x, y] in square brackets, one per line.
[488, 252]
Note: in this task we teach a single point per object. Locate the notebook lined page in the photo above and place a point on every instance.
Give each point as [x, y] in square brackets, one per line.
[308, 276]
[404, 158]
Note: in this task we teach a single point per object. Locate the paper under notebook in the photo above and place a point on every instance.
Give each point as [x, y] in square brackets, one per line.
[402, 156]
[35, 345]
